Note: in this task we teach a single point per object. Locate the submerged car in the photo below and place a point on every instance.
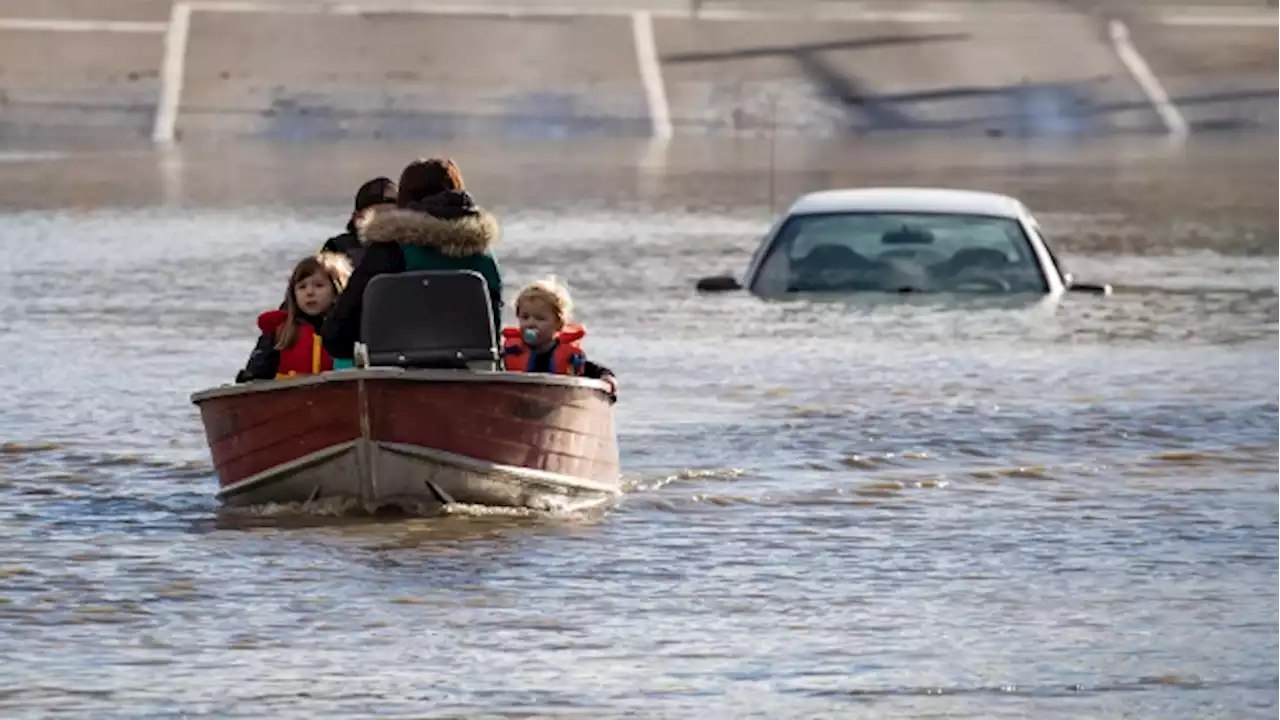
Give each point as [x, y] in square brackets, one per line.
[901, 240]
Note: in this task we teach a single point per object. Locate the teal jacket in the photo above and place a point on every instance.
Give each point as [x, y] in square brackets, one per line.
[450, 234]
[418, 257]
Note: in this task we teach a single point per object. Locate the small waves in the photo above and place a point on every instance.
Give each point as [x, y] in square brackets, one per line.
[61, 489]
[890, 507]
[651, 483]
[894, 478]
[1159, 682]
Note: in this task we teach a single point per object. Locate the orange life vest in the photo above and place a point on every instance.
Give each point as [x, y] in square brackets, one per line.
[567, 357]
[306, 356]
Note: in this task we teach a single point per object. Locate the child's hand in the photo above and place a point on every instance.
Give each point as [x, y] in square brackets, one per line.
[613, 385]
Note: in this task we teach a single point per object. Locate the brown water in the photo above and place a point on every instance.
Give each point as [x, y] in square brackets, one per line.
[867, 509]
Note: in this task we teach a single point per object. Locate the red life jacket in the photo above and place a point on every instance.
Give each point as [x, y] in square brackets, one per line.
[306, 356]
[567, 358]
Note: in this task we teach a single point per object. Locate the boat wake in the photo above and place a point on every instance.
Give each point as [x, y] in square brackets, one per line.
[340, 511]
[649, 483]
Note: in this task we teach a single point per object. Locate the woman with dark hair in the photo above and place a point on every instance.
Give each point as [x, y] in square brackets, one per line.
[436, 225]
[378, 192]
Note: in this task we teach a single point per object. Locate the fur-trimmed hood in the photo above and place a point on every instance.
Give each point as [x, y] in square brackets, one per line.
[469, 232]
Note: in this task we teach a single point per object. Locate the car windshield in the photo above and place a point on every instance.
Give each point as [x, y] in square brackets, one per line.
[900, 252]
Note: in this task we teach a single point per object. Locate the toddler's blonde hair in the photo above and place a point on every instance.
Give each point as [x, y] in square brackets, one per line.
[553, 292]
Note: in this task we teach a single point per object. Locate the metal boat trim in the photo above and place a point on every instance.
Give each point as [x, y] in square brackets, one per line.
[392, 373]
[295, 464]
[469, 463]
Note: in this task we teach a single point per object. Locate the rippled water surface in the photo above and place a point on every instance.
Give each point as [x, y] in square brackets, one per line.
[891, 508]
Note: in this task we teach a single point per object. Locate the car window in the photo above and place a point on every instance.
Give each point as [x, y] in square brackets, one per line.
[923, 252]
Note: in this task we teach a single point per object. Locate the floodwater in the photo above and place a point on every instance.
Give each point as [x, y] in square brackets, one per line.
[876, 509]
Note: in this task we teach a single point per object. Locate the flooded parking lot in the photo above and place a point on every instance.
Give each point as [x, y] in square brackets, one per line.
[874, 508]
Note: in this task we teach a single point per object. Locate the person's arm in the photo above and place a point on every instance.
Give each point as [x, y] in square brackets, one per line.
[343, 243]
[264, 361]
[341, 328]
[596, 371]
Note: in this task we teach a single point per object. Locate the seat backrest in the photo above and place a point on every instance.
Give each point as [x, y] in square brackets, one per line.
[972, 257]
[429, 319]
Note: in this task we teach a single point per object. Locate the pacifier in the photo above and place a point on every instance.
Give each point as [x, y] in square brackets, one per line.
[530, 336]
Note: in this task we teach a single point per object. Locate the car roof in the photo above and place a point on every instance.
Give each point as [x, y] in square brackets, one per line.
[907, 199]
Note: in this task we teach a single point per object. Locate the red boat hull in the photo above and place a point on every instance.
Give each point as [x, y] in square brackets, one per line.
[414, 438]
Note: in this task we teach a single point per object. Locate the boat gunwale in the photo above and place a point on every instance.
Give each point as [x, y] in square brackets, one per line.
[404, 375]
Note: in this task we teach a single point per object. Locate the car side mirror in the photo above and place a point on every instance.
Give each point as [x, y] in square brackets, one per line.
[1086, 288]
[718, 283]
[1069, 281]
[1090, 288]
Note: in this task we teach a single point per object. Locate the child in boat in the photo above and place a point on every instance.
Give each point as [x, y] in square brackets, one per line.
[290, 341]
[547, 340]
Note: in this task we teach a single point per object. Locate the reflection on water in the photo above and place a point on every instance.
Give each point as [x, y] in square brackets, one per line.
[880, 507]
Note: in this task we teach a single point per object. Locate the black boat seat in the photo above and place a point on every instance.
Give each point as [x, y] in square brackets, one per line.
[429, 319]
